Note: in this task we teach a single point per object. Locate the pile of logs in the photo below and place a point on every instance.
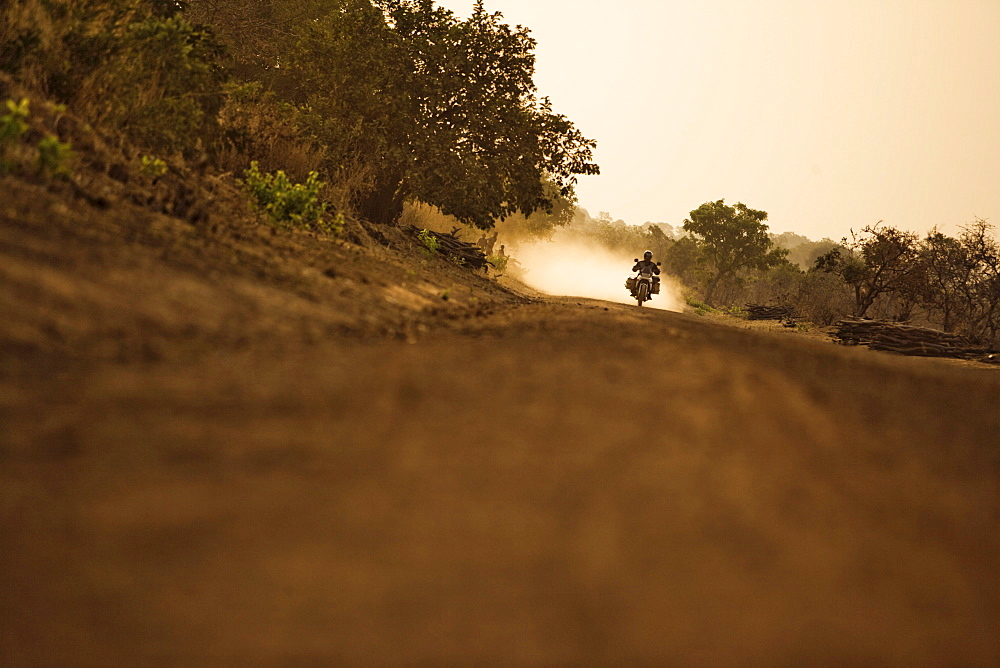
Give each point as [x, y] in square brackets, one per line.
[449, 245]
[761, 312]
[908, 340]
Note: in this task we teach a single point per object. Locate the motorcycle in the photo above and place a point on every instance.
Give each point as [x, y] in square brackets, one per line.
[643, 285]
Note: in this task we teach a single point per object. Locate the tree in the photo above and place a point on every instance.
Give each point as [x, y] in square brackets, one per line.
[657, 240]
[256, 32]
[980, 293]
[732, 238]
[541, 224]
[684, 260]
[943, 267]
[877, 262]
[445, 110]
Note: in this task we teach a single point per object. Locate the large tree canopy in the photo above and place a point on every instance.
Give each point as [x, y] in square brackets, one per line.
[441, 110]
[390, 99]
[732, 238]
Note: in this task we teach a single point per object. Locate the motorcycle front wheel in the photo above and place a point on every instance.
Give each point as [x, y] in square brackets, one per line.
[641, 293]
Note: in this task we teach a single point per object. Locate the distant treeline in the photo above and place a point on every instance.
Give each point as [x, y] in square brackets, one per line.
[389, 100]
[725, 256]
[880, 272]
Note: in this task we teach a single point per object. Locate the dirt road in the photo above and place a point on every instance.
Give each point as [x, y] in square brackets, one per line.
[560, 482]
[224, 444]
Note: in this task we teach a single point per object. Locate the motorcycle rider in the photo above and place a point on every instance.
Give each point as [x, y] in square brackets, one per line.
[646, 265]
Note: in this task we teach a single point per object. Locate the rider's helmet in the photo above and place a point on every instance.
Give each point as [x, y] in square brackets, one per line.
[647, 256]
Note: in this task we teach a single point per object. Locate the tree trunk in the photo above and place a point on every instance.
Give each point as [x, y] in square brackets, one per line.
[863, 300]
[712, 285]
[384, 204]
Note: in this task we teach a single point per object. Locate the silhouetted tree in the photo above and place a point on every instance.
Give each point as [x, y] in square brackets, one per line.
[444, 110]
[684, 260]
[732, 238]
[541, 224]
[943, 268]
[878, 261]
[980, 293]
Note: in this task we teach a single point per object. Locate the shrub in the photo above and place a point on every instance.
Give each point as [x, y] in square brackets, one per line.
[430, 242]
[162, 87]
[13, 125]
[290, 204]
[735, 312]
[53, 156]
[499, 263]
[700, 307]
[823, 298]
[257, 125]
[49, 155]
[137, 71]
[152, 166]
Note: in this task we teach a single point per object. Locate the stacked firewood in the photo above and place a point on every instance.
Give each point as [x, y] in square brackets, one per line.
[469, 255]
[908, 339]
[762, 312]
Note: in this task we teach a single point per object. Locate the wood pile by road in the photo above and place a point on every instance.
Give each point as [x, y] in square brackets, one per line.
[451, 246]
[909, 340]
[763, 312]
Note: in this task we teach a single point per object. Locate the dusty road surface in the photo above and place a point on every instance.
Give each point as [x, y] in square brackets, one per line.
[223, 444]
[565, 481]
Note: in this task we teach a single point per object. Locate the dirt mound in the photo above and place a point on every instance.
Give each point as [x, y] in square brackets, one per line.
[124, 281]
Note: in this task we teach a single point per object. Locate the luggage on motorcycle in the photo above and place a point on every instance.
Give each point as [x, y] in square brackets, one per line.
[656, 285]
[630, 283]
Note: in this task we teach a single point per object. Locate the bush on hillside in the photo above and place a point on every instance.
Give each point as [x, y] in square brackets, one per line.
[290, 204]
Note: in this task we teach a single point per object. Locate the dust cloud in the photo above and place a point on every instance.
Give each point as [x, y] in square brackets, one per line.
[580, 268]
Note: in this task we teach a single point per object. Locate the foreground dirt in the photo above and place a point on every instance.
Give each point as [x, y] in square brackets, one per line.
[272, 464]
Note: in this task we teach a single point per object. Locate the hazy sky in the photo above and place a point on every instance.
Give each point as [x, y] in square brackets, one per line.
[827, 114]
